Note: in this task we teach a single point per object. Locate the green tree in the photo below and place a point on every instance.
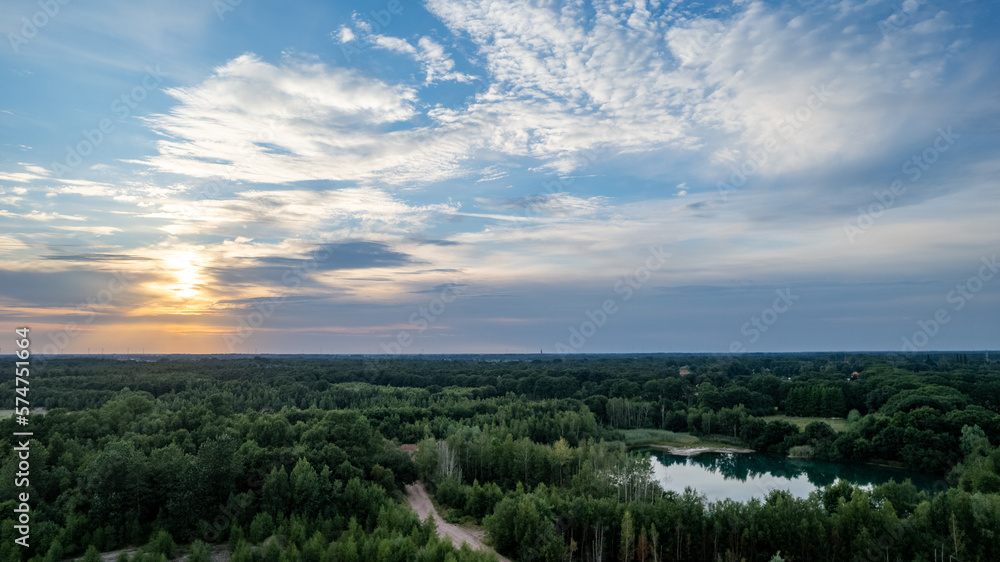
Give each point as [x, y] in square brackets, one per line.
[627, 536]
[261, 527]
[55, 552]
[522, 526]
[481, 499]
[242, 553]
[118, 483]
[277, 492]
[92, 554]
[305, 488]
[426, 458]
[853, 417]
[161, 543]
[200, 552]
[315, 548]
[974, 440]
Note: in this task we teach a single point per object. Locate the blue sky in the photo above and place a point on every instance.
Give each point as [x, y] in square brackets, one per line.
[458, 176]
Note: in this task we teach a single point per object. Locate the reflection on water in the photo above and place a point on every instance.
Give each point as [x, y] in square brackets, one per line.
[740, 476]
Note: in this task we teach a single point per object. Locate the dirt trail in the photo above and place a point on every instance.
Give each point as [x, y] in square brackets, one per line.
[421, 504]
[220, 553]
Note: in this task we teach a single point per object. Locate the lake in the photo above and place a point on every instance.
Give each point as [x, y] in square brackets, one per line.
[741, 476]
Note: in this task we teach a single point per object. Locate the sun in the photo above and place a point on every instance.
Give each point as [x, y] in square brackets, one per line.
[186, 267]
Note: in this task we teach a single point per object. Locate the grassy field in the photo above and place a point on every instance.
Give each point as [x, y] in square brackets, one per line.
[644, 437]
[838, 424]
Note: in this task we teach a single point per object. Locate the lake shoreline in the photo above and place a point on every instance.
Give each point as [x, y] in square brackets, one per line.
[692, 451]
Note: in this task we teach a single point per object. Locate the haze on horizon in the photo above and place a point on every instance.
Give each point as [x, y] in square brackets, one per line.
[453, 176]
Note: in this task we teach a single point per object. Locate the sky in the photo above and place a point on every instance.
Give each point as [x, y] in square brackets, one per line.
[505, 176]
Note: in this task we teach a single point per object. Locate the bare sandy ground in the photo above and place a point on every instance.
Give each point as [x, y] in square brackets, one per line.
[220, 553]
[691, 451]
[421, 504]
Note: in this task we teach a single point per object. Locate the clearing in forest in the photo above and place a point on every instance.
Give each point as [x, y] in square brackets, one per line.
[838, 424]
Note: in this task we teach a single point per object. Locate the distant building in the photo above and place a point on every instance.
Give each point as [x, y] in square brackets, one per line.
[684, 371]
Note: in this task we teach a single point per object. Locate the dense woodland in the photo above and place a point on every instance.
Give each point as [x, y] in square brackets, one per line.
[298, 458]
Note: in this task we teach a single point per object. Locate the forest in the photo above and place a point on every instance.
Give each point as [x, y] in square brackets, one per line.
[275, 458]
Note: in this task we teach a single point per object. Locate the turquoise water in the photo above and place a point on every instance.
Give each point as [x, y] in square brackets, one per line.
[741, 476]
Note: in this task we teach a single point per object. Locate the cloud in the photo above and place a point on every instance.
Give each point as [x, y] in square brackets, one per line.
[300, 266]
[95, 230]
[72, 287]
[94, 257]
[289, 212]
[343, 35]
[345, 255]
[554, 204]
[24, 177]
[438, 65]
[299, 121]
[11, 243]
[569, 86]
[423, 241]
[394, 44]
[565, 81]
[492, 173]
[40, 216]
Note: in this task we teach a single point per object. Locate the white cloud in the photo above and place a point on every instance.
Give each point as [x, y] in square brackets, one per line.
[344, 34]
[553, 204]
[85, 188]
[301, 121]
[347, 212]
[438, 64]
[492, 173]
[562, 84]
[710, 83]
[40, 216]
[20, 177]
[10, 243]
[394, 44]
[96, 230]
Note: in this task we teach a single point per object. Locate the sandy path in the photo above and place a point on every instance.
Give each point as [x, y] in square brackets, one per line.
[421, 504]
[220, 553]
